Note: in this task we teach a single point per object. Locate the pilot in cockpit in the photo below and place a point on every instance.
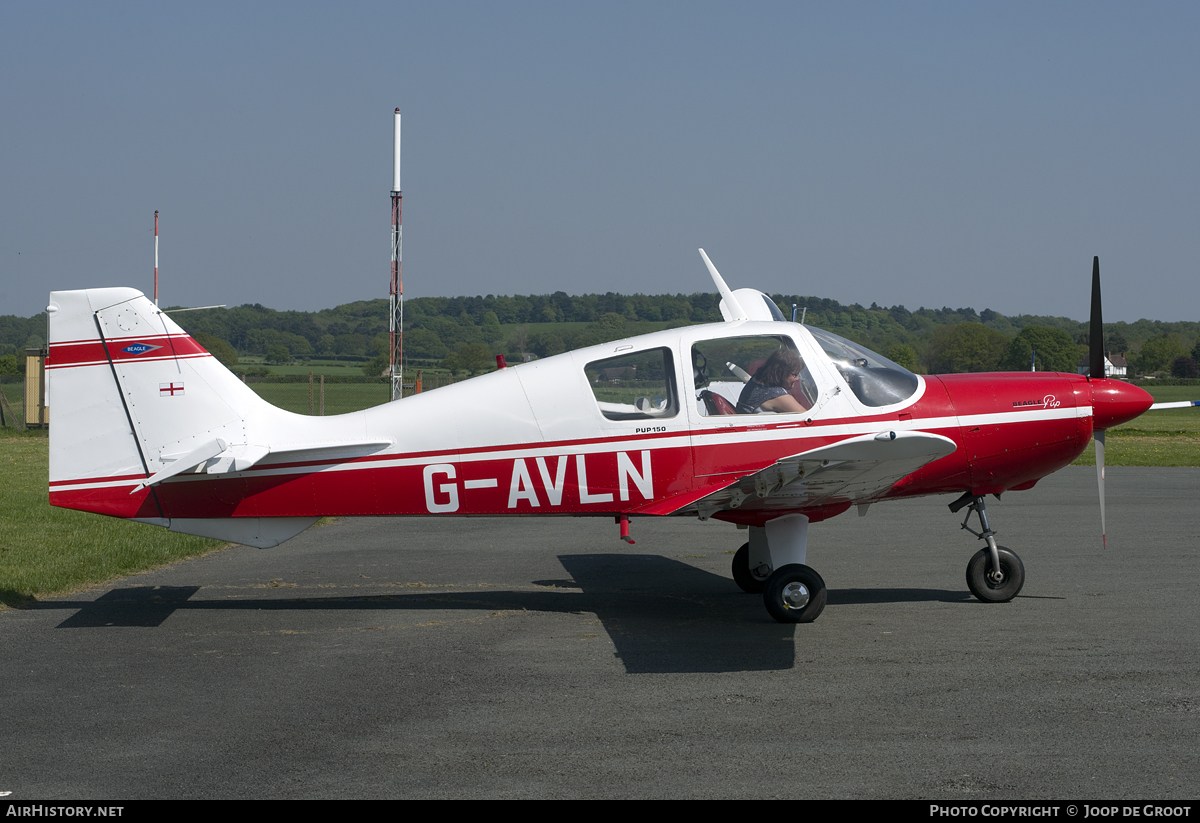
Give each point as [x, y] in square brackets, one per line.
[769, 390]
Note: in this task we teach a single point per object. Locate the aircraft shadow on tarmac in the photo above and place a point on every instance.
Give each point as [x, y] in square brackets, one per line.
[662, 615]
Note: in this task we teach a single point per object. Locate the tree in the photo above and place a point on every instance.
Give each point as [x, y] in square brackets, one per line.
[1184, 366]
[351, 344]
[904, 355]
[1158, 354]
[490, 327]
[377, 365]
[475, 358]
[547, 344]
[278, 355]
[966, 347]
[611, 320]
[423, 343]
[1115, 342]
[471, 358]
[1056, 350]
[218, 348]
[518, 341]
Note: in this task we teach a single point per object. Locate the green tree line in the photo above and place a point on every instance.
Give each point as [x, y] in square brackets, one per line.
[463, 334]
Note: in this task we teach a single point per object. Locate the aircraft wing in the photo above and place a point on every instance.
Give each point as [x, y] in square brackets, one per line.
[857, 470]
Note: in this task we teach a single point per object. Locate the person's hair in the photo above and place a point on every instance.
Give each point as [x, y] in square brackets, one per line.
[779, 366]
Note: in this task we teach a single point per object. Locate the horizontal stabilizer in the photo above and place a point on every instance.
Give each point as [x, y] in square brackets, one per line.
[260, 532]
[227, 459]
[191, 460]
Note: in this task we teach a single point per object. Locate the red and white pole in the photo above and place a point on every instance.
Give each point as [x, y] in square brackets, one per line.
[156, 257]
[396, 314]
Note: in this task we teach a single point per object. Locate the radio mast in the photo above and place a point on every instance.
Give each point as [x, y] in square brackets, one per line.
[396, 302]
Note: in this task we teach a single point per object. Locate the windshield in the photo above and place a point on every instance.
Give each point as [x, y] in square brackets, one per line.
[875, 380]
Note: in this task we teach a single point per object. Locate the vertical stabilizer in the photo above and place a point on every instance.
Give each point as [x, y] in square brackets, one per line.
[131, 393]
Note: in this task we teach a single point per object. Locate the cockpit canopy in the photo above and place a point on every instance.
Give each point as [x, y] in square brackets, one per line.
[639, 384]
[875, 380]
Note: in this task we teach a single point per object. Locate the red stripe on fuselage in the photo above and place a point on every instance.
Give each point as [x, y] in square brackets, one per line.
[585, 484]
[136, 478]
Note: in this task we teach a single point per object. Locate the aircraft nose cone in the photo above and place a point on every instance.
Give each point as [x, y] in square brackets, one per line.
[1115, 402]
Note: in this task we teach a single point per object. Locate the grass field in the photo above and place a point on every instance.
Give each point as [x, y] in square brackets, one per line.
[1170, 437]
[317, 367]
[339, 397]
[46, 550]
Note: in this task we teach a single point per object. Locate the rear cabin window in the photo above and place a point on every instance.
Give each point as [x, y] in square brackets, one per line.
[634, 386]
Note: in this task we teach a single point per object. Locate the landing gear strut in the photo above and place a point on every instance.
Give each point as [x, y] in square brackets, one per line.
[994, 574]
[773, 563]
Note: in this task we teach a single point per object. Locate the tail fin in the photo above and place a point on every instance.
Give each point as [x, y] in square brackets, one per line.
[136, 400]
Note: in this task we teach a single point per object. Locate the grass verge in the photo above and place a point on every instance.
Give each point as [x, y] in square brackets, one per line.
[1168, 437]
[48, 551]
[1145, 451]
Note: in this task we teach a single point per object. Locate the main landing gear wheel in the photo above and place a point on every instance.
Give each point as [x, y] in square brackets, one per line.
[995, 588]
[795, 594]
[747, 580]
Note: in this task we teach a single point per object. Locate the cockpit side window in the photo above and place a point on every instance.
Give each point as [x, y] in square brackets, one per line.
[635, 386]
[875, 380]
[723, 367]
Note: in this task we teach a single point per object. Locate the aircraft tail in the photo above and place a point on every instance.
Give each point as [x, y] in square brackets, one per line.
[134, 400]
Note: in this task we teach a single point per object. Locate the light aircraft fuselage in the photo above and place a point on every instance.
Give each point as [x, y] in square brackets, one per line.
[149, 426]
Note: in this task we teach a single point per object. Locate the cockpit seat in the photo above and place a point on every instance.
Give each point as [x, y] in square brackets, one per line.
[715, 404]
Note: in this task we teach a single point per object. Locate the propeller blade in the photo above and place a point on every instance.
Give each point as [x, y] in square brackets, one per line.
[1096, 327]
[1176, 404]
[1095, 371]
[1099, 438]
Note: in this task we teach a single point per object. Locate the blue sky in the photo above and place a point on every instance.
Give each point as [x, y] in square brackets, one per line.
[929, 154]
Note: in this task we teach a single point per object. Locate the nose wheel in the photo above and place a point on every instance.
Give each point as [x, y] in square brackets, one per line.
[995, 574]
[992, 585]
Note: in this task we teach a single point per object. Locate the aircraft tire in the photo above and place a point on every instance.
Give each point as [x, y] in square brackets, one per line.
[747, 581]
[987, 590]
[795, 594]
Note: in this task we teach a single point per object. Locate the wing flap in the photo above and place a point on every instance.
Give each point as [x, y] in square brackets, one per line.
[857, 470]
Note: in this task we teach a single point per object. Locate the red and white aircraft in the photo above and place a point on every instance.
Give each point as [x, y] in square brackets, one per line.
[149, 426]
